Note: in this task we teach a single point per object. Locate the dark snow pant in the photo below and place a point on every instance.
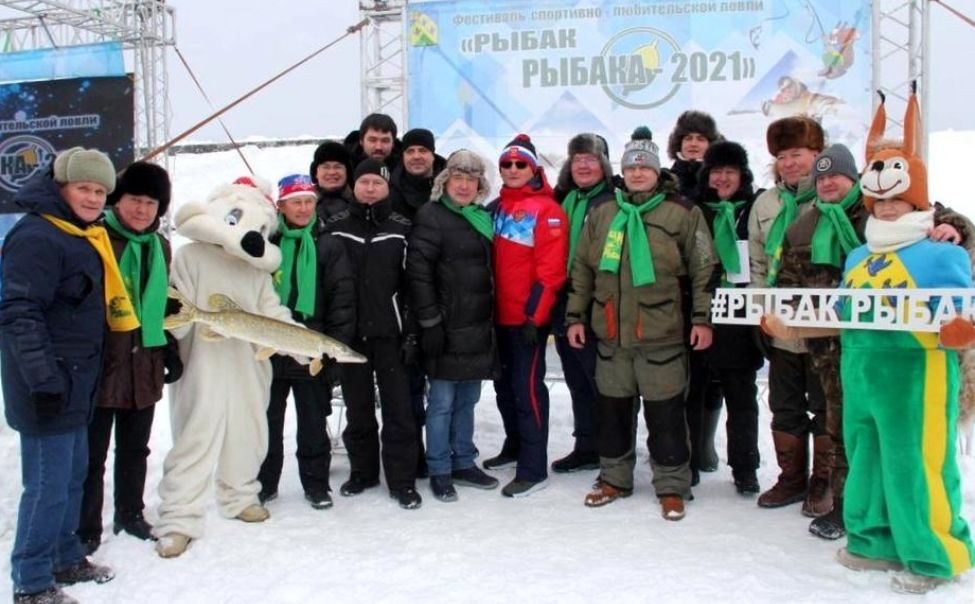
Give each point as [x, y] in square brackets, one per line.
[795, 394]
[132, 430]
[522, 399]
[314, 454]
[740, 393]
[827, 366]
[579, 370]
[418, 391]
[703, 398]
[361, 435]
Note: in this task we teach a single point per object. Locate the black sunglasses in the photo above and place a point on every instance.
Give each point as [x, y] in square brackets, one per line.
[521, 165]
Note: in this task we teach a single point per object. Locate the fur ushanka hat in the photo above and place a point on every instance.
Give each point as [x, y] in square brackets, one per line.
[688, 122]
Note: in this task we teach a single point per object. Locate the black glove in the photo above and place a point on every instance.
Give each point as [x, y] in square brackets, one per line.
[408, 349]
[332, 371]
[173, 364]
[47, 405]
[173, 307]
[529, 333]
[432, 340]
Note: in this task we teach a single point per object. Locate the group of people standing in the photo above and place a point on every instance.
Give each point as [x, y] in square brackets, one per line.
[391, 249]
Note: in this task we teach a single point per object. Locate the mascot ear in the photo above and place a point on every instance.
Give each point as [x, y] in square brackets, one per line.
[187, 211]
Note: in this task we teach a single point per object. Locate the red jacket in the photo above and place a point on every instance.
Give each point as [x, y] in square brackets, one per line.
[531, 247]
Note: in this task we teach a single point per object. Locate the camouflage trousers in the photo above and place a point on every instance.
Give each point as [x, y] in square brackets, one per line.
[825, 355]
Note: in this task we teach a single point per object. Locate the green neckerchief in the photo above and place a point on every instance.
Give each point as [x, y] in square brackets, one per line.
[776, 235]
[726, 233]
[835, 236]
[478, 217]
[629, 218]
[306, 266]
[150, 303]
[575, 204]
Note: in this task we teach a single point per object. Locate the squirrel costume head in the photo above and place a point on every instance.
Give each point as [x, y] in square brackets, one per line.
[239, 217]
[894, 169]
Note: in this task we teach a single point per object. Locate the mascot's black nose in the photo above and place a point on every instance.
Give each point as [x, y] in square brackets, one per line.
[253, 244]
[877, 166]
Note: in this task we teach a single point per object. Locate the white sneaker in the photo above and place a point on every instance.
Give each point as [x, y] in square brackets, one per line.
[906, 582]
[859, 563]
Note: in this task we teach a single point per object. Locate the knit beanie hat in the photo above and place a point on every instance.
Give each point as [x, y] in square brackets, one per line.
[371, 166]
[836, 159]
[80, 164]
[295, 185]
[520, 148]
[331, 151]
[144, 178]
[421, 137]
[688, 122]
[641, 151]
[467, 162]
[794, 132]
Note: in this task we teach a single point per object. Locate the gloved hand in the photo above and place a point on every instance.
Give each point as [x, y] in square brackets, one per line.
[172, 307]
[332, 371]
[432, 340]
[47, 405]
[173, 365]
[529, 333]
[408, 349]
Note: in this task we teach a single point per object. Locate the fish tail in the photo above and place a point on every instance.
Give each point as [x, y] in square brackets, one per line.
[187, 312]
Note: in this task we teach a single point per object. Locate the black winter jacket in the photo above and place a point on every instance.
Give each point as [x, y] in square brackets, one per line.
[331, 203]
[451, 281]
[686, 172]
[409, 192]
[334, 302]
[52, 314]
[375, 240]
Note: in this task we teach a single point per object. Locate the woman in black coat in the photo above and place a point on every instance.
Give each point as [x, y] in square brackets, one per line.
[448, 268]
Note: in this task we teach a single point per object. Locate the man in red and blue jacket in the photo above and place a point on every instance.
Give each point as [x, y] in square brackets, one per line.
[531, 246]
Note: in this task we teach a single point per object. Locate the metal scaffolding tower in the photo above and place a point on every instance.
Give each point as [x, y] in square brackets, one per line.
[144, 27]
[383, 59]
[901, 33]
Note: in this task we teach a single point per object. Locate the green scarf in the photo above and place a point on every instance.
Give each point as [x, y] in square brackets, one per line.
[776, 236]
[149, 304]
[834, 236]
[726, 233]
[629, 218]
[306, 269]
[575, 204]
[478, 217]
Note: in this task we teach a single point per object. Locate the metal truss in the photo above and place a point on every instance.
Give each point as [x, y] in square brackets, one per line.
[144, 27]
[901, 32]
[382, 46]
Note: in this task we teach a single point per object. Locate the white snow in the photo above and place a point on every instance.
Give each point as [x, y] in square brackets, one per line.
[486, 548]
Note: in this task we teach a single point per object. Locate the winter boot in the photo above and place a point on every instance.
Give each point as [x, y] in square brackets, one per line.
[830, 526]
[51, 595]
[575, 461]
[254, 513]
[746, 482]
[474, 477]
[443, 487]
[858, 563]
[672, 507]
[172, 545]
[906, 582]
[135, 525]
[319, 499]
[407, 497]
[793, 458]
[84, 571]
[356, 484]
[819, 498]
[707, 456]
[522, 488]
[603, 493]
[501, 460]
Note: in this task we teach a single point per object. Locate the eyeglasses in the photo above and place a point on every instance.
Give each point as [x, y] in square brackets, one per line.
[506, 165]
[584, 161]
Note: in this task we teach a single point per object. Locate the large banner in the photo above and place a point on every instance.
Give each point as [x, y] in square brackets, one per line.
[480, 72]
[38, 119]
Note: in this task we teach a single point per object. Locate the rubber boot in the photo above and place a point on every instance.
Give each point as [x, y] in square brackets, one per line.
[819, 499]
[793, 458]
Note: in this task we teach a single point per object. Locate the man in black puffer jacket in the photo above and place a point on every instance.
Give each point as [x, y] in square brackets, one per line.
[330, 170]
[375, 239]
[319, 288]
[449, 271]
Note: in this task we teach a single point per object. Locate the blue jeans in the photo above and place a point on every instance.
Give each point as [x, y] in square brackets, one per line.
[450, 425]
[53, 469]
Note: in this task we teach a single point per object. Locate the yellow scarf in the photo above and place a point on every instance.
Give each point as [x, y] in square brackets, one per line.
[118, 307]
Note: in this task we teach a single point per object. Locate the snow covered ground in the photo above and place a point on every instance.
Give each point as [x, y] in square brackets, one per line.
[486, 548]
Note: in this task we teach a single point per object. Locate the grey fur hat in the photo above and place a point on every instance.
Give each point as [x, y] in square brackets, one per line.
[78, 163]
[692, 121]
[464, 162]
[592, 144]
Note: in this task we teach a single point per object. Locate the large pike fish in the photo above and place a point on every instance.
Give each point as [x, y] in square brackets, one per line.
[227, 320]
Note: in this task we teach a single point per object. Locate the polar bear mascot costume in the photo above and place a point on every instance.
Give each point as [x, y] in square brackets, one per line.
[218, 409]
